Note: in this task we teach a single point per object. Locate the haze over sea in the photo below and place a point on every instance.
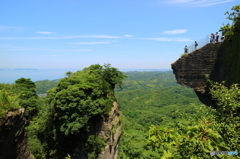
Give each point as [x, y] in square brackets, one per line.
[10, 75]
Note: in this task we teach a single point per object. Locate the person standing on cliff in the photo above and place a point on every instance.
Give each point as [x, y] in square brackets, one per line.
[216, 37]
[186, 49]
[211, 38]
[196, 44]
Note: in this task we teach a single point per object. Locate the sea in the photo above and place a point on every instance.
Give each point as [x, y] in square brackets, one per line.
[10, 75]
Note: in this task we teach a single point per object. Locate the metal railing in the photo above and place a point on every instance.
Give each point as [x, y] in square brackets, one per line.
[202, 43]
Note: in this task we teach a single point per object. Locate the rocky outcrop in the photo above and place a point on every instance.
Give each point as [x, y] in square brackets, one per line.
[13, 137]
[111, 130]
[220, 61]
[14, 143]
[106, 127]
[192, 69]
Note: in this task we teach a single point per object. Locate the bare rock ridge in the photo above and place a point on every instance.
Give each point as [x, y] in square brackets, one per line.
[13, 137]
[111, 130]
[191, 70]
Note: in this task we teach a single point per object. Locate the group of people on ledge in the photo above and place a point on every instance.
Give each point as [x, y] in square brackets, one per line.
[213, 38]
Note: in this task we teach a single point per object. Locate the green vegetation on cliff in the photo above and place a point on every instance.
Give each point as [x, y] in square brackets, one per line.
[207, 130]
[21, 94]
[8, 102]
[231, 46]
[64, 122]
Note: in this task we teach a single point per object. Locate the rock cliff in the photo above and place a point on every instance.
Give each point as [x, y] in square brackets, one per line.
[219, 61]
[105, 127]
[111, 130]
[13, 137]
[192, 69]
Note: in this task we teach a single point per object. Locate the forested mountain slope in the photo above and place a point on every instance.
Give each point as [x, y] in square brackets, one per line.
[150, 98]
[147, 98]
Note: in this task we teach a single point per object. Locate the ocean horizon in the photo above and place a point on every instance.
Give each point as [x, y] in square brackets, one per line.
[9, 75]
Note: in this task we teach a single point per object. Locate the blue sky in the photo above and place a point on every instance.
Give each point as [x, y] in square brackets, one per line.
[129, 34]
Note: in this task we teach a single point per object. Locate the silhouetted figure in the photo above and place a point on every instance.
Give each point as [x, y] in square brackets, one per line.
[196, 44]
[212, 38]
[186, 49]
[216, 37]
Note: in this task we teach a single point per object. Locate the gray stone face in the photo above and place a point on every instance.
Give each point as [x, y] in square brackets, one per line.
[191, 70]
[106, 127]
[111, 130]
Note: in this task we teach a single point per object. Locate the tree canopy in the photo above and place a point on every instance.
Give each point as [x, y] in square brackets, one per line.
[75, 100]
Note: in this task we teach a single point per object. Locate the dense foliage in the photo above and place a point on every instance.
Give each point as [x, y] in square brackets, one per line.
[21, 94]
[150, 98]
[64, 122]
[231, 48]
[8, 102]
[229, 29]
[205, 131]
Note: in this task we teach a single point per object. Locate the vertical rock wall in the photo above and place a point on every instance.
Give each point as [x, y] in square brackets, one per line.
[111, 130]
[13, 137]
[191, 70]
[105, 127]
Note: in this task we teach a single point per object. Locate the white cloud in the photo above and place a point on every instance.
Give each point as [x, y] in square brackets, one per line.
[169, 39]
[128, 36]
[16, 48]
[46, 32]
[87, 43]
[71, 50]
[198, 3]
[64, 37]
[178, 31]
[101, 36]
[2, 27]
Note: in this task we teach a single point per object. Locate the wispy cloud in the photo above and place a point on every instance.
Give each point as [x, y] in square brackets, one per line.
[63, 37]
[2, 27]
[45, 32]
[70, 50]
[101, 36]
[128, 36]
[178, 31]
[16, 48]
[198, 3]
[89, 43]
[169, 39]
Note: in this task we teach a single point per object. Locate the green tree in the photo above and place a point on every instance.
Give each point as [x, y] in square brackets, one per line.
[28, 98]
[234, 16]
[68, 74]
[228, 114]
[8, 102]
[208, 130]
[71, 106]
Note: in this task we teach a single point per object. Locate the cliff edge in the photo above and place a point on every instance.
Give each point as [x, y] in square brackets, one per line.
[219, 61]
[192, 69]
